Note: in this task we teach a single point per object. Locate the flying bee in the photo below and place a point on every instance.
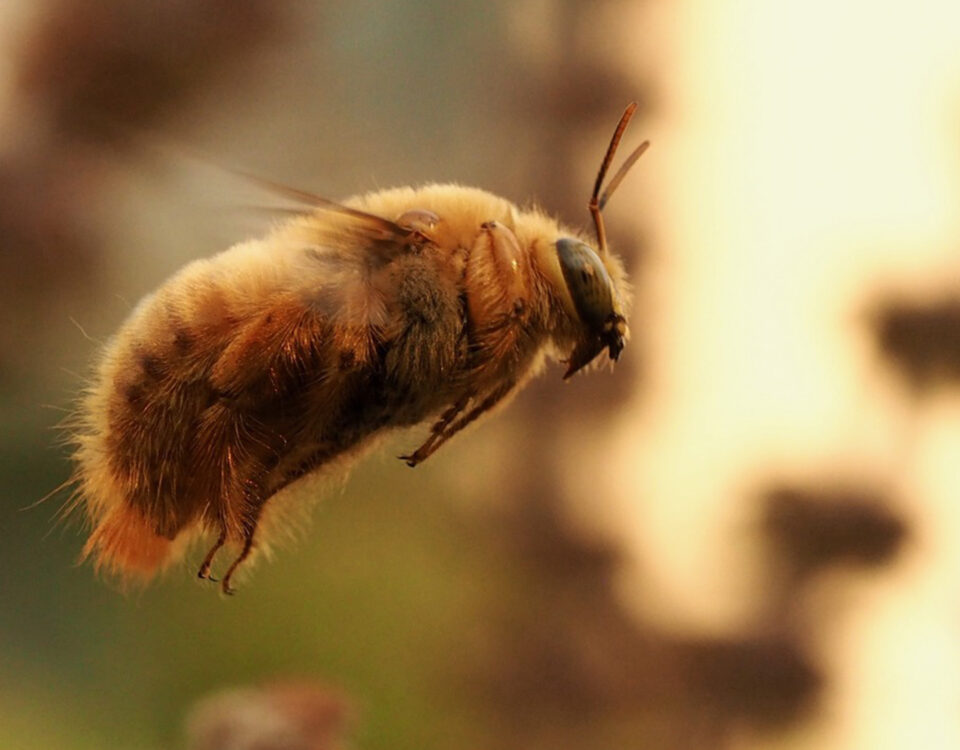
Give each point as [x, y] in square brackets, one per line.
[255, 368]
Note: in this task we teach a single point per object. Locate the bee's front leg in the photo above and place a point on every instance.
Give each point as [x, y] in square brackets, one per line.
[497, 287]
[497, 292]
[436, 431]
[439, 438]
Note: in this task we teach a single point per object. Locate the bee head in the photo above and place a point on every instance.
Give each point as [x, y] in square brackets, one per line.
[596, 301]
[595, 297]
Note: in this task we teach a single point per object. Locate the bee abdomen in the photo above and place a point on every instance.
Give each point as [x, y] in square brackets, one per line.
[132, 456]
[124, 543]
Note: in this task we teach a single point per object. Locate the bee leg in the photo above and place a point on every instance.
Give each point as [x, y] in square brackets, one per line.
[498, 290]
[429, 448]
[204, 572]
[436, 431]
[225, 586]
[250, 528]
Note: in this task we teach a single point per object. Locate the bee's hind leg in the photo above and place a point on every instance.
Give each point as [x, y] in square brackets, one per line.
[249, 530]
[225, 586]
[204, 572]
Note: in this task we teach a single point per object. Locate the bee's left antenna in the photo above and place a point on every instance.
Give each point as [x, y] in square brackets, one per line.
[598, 200]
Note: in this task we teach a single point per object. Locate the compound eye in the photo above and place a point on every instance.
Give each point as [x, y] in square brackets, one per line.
[588, 281]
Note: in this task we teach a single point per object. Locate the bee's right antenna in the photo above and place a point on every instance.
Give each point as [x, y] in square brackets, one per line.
[598, 201]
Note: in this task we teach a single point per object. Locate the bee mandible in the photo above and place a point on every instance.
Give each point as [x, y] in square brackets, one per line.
[282, 356]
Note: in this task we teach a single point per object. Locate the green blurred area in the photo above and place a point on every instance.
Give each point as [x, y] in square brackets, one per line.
[378, 599]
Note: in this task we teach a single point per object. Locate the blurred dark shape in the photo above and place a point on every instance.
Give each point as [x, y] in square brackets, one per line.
[281, 716]
[573, 101]
[573, 650]
[566, 658]
[88, 76]
[113, 62]
[578, 91]
[812, 529]
[768, 682]
[45, 236]
[922, 339]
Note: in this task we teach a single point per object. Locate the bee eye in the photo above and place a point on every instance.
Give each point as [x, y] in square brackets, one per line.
[588, 281]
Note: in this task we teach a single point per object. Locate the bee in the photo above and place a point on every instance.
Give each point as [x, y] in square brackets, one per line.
[283, 356]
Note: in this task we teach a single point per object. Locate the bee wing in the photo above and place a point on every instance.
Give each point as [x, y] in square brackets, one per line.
[383, 237]
[345, 272]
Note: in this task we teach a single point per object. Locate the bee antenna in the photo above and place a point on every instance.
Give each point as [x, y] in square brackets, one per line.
[598, 201]
[622, 172]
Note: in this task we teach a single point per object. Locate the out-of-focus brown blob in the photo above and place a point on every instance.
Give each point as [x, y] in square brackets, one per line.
[281, 716]
[765, 681]
[567, 660]
[43, 232]
[87, 75]
[95, 65]
[812, 529]
[574, 650]
[922, 340]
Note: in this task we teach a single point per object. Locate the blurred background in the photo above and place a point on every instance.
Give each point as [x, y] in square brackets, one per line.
[745, 537]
